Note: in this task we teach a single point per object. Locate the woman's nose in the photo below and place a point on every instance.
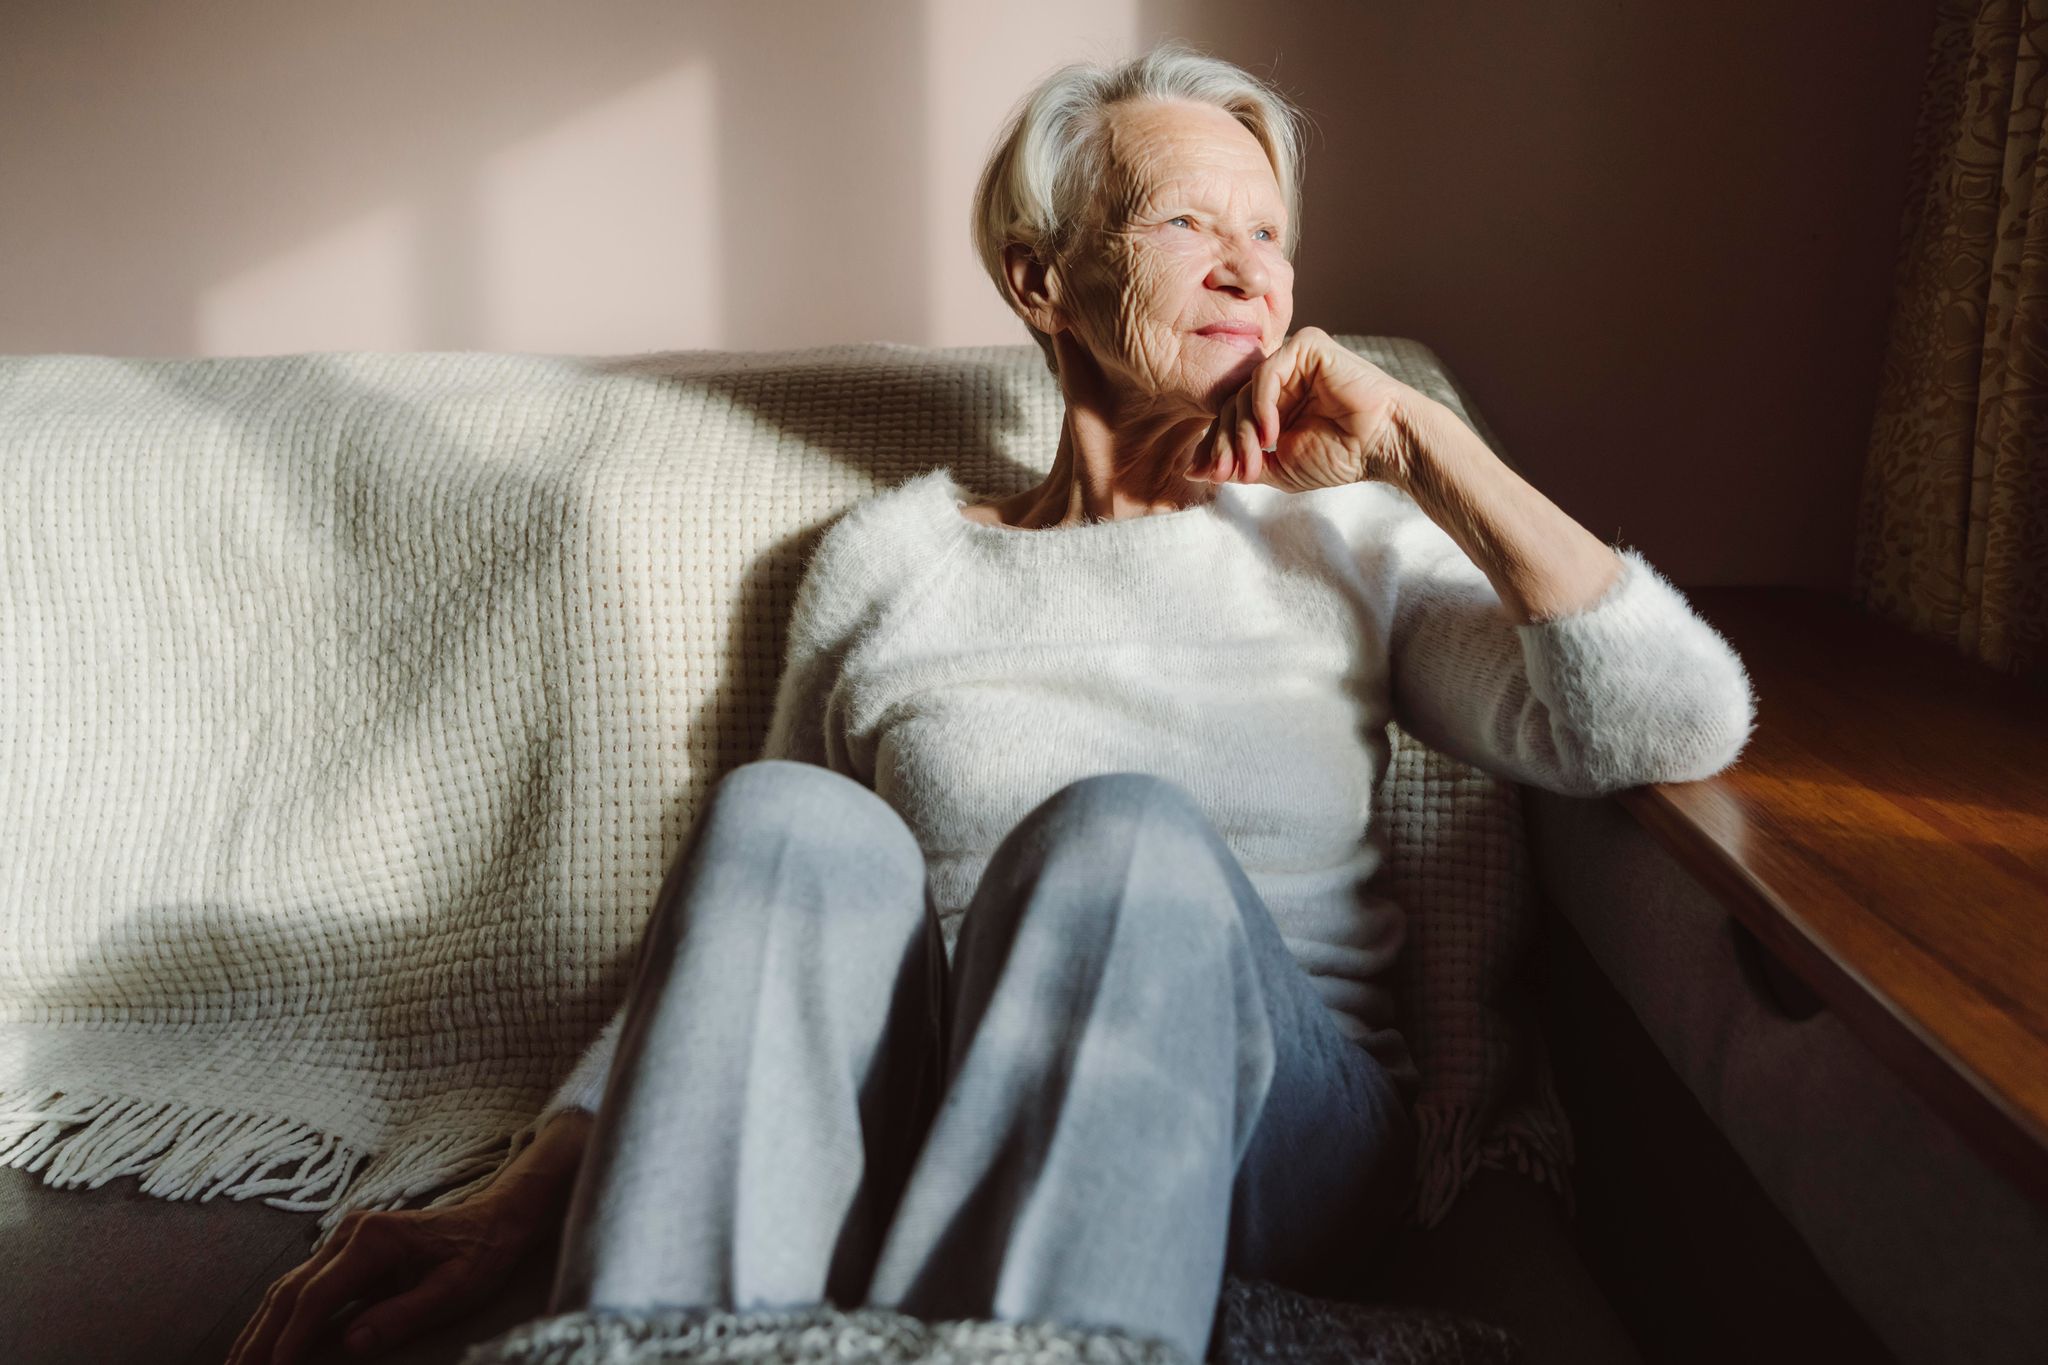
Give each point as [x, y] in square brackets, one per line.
[1241, 269]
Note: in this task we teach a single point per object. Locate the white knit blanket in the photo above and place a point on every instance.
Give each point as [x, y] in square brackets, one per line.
[352, 707]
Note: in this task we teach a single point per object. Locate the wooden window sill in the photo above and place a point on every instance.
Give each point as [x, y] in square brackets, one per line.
[1885, 835]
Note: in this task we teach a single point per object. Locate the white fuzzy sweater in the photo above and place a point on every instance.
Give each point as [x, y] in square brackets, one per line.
[1253, 650]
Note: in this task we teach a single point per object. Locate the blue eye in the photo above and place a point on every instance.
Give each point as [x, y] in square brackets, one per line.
[1268, 232]
[1182, 219]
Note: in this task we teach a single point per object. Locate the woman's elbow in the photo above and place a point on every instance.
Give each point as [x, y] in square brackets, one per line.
[1707, 737]
[1687, 744]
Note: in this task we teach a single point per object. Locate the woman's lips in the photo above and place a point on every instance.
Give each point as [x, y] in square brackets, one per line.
[1242, 341]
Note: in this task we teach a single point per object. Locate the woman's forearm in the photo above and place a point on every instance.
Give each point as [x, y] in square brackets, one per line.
[539, 1181]
[1542, 563]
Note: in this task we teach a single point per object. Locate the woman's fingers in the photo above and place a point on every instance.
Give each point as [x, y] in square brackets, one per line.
[243, 1351]
[434, 1300]
[1285, 386]
[1266, 387]
[1311, 415]
[1244, 442]
[1207, 454]
[1226, 439]
[252, 1345]
[369, 1257]
[1226, 442]
[1247, 428]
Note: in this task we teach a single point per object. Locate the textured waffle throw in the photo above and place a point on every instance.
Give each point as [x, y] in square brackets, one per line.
[355, 705]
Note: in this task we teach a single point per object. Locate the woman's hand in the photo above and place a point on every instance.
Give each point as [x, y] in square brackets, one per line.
[1312, 415]
[433, 1264]
[428, 1266]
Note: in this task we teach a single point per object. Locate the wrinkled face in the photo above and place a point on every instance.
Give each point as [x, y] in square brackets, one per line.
[1190, 232]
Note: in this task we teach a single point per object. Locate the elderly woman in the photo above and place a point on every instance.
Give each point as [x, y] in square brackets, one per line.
[1033, 971]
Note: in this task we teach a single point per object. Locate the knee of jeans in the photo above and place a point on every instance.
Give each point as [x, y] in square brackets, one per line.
[1108, 802]
[855, 840]
[1131, 820]
[826, 805]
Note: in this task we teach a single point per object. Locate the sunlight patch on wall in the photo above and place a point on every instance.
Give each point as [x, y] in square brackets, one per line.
[349, 289]
[601, 235]
[981, 62]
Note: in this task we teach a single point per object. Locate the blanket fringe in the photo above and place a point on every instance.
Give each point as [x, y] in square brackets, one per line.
[1454, 1142]
[183, 1151]
[179, 1151]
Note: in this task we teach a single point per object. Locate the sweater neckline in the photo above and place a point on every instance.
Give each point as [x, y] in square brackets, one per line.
[949, 498]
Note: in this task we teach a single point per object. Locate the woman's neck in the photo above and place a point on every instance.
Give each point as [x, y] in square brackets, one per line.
[1111, 466]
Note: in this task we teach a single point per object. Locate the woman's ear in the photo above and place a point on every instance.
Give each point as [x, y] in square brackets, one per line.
[1034, 289]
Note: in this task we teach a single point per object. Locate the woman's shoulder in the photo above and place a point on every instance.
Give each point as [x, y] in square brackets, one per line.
[882, 541]
[905, 498]
[909, 508]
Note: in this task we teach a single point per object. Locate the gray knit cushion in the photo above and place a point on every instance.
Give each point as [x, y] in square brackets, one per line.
[1263, 1324]
[1256, 1324]
[821, 1335]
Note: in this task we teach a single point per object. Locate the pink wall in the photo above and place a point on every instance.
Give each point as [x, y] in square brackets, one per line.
[1654, 240]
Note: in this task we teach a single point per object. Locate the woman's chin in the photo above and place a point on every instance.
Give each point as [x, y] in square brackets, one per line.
[1225, 378]
[1202, 386]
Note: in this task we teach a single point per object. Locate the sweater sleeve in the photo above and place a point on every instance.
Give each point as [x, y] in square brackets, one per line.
[1631, 690]
[836, 601]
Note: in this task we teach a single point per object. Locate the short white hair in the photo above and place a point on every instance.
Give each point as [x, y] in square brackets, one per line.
[1047, 166]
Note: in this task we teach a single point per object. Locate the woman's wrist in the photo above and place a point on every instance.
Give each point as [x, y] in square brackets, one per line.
[1422, 422]
[539, 1181]
[1542, 563]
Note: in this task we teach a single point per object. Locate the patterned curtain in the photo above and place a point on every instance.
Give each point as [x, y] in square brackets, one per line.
[1952, 532]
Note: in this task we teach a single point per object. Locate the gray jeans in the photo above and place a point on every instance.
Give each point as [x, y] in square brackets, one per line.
[1122, 1085]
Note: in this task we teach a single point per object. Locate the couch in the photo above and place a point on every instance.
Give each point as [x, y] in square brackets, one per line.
[190, 532]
